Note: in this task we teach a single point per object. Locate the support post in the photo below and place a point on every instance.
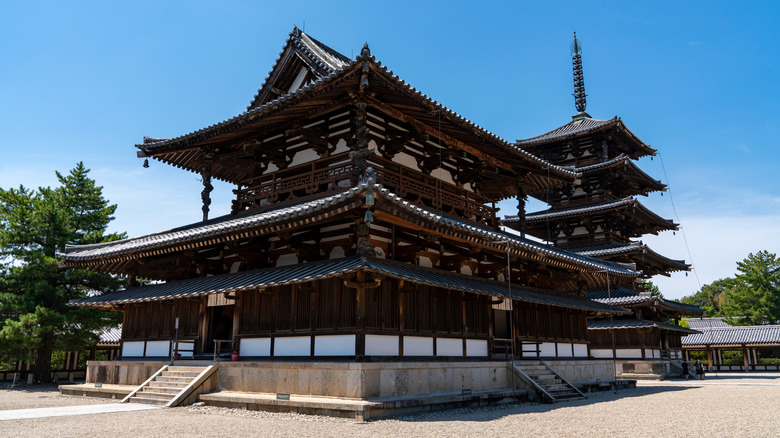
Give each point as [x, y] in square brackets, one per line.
[205, 195]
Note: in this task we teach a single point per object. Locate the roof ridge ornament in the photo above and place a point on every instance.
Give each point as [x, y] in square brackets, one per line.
[580, 101]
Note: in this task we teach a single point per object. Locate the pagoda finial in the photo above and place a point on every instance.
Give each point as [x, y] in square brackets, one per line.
[365, 52]
[579, 82]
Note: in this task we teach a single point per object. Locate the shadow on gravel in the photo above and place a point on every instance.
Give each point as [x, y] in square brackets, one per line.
[489, 413]
[32, 389]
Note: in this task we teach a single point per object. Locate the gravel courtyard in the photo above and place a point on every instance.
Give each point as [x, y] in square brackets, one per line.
[729, 405]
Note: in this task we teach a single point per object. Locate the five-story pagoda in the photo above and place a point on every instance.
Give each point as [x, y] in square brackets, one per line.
[599, 215]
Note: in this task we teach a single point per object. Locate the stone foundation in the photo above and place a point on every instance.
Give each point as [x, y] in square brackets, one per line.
[354, 380]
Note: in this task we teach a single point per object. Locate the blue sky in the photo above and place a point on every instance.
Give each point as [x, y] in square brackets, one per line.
[85, 81]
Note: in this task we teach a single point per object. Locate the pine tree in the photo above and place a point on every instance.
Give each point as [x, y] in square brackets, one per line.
[711, 297]
[34, 291]
[754, 296]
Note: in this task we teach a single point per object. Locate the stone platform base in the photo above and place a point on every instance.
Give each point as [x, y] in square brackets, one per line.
[382, 407]
[117, 392]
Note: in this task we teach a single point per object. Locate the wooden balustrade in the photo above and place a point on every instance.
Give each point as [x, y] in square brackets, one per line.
[332, 176]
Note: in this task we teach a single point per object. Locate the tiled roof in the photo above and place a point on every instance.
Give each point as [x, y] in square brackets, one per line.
[620, 296]
[627, 297]
[609, 249]
[233, 123]
[737, 335]
[110, 335]
[605, 324]
[570, 129]
[327, 59]
[707, 323]
[229, 225]
[628, 248]
[592, 209]
[270, 277]
[582, 126]
[215, 227]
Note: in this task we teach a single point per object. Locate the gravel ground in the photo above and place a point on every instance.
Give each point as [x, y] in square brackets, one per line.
[721, 407]
[40, 396]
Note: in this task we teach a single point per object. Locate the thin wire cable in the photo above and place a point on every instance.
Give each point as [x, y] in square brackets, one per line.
[682, 229]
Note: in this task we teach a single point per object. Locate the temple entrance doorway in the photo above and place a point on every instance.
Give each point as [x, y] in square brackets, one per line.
[220, 328]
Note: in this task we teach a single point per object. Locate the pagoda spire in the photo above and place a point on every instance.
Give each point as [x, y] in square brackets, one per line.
[579, 83]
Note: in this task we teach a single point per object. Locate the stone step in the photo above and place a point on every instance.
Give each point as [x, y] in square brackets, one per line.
[187, 374]
[163, 389]
[154, 394]
[149, 401]
[197, 369]
[177, 379]
[162, 384]
[555, 387]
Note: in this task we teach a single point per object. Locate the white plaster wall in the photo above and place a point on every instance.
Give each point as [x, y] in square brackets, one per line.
[185, 349]
[449, 347]
[133, 349]
[425, 262]
[628, 352]
[158, 348]
[600, 353]
[565, 350]
[476, 347]
[405, 159]
[341, 146]
[337, 345]
[304, 156]
[255, 347]
[292, 346]
[337, 253]
[580, 350]
[377, 345]
[286, 260]
[418, 346]
[547, 349]
[466, 270]
[443, 174]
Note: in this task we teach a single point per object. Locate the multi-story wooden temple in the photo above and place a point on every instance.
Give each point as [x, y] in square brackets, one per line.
[599, 215]
[363, 229]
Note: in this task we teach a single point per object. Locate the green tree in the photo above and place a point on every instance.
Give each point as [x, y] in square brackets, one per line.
[649, 286]
[34, 291]
[711, 296]
[754, 296]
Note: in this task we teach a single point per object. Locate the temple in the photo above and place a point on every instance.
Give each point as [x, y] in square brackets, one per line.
[363, 240]
[599, 215]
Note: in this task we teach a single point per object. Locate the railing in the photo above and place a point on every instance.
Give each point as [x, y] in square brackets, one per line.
[420, 189]
[218, 343]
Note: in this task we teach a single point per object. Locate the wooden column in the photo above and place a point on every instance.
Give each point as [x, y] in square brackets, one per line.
[745, 359]
[237, 319]
[203, 324]
[360, 320]
[205, 195]
[709, 357]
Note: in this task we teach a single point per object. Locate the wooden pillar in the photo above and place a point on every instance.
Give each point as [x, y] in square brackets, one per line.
[709, 357]
[203, 324]
[745, 358]
[237, 319]
[360, 320]
[207, 188]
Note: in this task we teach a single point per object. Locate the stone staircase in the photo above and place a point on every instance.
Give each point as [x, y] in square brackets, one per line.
[550, 386]
[170, 385]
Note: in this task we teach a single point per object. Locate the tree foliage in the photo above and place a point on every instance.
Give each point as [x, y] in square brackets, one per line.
[755, 293]
[751, 297]
[34, 291]
[711, 296]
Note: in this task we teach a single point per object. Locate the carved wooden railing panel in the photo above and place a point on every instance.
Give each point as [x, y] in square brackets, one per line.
[331, 176]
